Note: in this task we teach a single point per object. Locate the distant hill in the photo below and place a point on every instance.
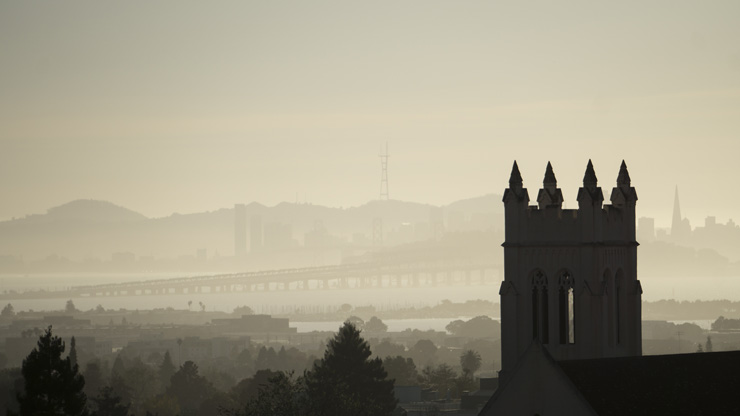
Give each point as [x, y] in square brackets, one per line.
[96, 229]
[94, 211]
[83, 210]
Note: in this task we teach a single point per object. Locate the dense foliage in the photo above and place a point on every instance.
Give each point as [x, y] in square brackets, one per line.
[52, 384]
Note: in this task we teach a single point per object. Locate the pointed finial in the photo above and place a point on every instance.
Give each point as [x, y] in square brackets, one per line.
[515, 180]
[589, 179]
[624, 177]
[549, 181]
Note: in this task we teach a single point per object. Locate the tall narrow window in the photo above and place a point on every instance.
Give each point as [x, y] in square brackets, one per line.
[566, 309]
[535, 312]
[617, 293]
[571, 317]
[540, 307]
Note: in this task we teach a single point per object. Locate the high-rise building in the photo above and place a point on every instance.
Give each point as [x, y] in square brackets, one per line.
[240, 229]
[680, 227]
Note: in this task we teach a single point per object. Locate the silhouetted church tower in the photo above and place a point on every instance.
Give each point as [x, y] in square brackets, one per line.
[570, 275]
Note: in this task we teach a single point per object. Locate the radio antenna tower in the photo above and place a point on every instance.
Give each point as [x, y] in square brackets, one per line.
[384, 174]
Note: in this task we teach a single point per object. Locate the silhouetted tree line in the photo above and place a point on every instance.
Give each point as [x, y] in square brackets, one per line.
[724, 324]
[347, 380]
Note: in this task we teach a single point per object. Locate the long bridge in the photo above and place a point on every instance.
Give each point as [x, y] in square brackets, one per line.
[348, 276]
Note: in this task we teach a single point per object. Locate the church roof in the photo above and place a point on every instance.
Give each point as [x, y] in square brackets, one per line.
[680, 384]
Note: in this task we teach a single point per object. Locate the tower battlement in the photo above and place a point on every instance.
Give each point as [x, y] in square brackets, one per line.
[592, 222]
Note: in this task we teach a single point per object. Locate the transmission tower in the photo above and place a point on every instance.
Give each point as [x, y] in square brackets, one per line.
[384, 174]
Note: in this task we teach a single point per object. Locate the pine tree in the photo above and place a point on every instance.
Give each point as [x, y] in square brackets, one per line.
[189, 388]
[73, 352]
[52, 385]
[708, 347]
[347, 382]
[70, 307]
[166, 370]
[108, 404]
[8, 311]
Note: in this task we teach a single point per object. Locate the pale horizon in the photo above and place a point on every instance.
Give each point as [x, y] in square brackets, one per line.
[186, 107]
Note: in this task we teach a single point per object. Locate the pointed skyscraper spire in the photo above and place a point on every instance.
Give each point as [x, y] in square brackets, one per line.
[549, 182]
[676, 223]
[589, 179]
[624, 176]
[515, 180]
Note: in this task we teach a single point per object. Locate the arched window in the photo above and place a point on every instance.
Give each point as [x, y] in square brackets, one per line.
[618, 306]
[539, 307]
[566, 309]
[608, 291]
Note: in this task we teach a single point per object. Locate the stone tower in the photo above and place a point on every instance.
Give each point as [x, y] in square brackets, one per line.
[570, 275]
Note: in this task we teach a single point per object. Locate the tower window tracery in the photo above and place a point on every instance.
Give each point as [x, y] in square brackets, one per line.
[566, 308]
[540, 307]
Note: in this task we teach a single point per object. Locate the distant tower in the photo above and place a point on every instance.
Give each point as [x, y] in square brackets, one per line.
[384, 174]
[240, 229]
[255, 234]
[676, 223]
[570, 275]
[680, 227]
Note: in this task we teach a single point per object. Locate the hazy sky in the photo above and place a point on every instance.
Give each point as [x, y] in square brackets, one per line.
[189, 106]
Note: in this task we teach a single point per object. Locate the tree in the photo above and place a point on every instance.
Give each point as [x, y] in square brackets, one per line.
[249, 388]
[162, 405]
[423, 352]
[267, 359]
[189, 388]
[108, 404]
[52, 385]
[73, 352]
[708, 347]
[386, 348]
[374, 324]
[70, 307]
[243, 310]
[347, 381]
[356, 321]
[470, 362]
[11, 384]
[142, 381]
[478, 327]
[166, 369]
[8, 311]
[93, 379]
[281, 396]
[117, 380]
[402, 370]
[442, 378]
